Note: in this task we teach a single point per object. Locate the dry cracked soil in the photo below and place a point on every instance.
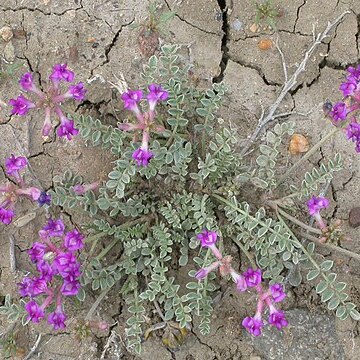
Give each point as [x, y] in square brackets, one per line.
[97, 40]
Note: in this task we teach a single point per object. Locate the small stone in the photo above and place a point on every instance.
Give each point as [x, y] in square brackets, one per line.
[354, 217]
[237, 25]
[255, 358]
[254, 28]
[6, 33]
[9, 52]
[265, 44]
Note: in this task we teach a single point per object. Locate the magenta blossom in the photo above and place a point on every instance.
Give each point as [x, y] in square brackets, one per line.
[339, 111]
[21, 105]
[46, 270]
[253, 325]
[131, 99]
[207, 238]
[142, 156]
[50, 100]
[77, 91]
[74, 240]
[6, 216]
[354, 74]
[57, 319]
[240, 281]
[278, 319]
[277, 292]
[61, 72]
[37, 252]
[156, 94]
[32, 192]
[67, 264]
[315, 204]
[252, 277]
[81, 189]
[14, 164]
[348, 88]
[37, 287]
[67, 129]
[70, 288]
[53, 228]
[35, 312]
[24, 286]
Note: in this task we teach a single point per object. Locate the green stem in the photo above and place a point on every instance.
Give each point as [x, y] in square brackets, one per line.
[96, 303]
[308, 154]
[95, 237]
[124, 226]
[277, 208]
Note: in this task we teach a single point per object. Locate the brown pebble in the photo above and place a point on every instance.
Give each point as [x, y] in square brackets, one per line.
[354, 217]
[6, 33]
[265, 44]
[298, 144]
[254, 28]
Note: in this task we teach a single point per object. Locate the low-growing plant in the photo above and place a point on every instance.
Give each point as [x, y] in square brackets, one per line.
[178, 181]
[266, 13]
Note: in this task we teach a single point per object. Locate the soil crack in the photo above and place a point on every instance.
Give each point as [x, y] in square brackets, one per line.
[224, 41]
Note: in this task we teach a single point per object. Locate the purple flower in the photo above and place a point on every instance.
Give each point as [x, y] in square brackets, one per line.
[156, 94]
[46, 270]
[201, 274]
[70, 288]
[27, 82]
[353, 131]
[142, 156]
[81, 189]
[277, 292]
[33, 192]
[37, 252]
[61, 72]
[277, 319]
[14, 164]
[67, 129]
[131, 98]
[38, 286]
[67, 265]
[253, 325]
[35, 311]
[348, 88]
[25, 286]
[315, 204]
[6, 216]
[21, 105]
[339, 111]
[57, 319]
[74, 240]
[354, 73]
[77, 91]
[240, 281]
[53, 228]
[207, 238]
[44, 199]
[252, 277]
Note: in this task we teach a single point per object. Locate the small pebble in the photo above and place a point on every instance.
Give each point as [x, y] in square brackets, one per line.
[354, 217]
[254, 28]
[265, 44]
[6, 33]
[237, 25]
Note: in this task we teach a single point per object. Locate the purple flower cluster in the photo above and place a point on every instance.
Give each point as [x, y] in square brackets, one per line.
[249, 279]
[315, 204]
[145, 121]
[11, 191]
[346, 110]
[50, 100]
[58, 272]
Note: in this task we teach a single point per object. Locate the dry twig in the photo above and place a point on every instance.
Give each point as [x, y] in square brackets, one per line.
[291, 82]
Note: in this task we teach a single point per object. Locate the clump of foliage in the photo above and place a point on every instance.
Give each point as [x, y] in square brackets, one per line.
[184, 179]
[266, 13]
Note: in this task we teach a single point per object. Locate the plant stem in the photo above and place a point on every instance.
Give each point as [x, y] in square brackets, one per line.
[96, 303]
[124, 226]
[95, 237]
[277, 208]
[330, 247]
[308, 154]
